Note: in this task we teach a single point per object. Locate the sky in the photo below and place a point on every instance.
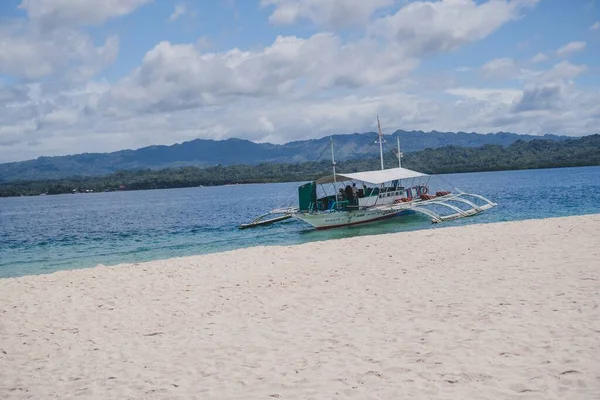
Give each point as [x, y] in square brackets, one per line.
[95, 76]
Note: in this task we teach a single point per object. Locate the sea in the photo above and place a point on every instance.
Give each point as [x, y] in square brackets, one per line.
[42, 234]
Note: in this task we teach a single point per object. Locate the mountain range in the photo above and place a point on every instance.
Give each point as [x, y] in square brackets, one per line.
[203, 153]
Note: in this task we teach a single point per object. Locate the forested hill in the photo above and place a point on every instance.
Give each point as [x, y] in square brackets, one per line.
[203, 153]
[519, 155]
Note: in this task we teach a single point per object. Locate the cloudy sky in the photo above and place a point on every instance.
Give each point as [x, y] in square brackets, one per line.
[88, 75]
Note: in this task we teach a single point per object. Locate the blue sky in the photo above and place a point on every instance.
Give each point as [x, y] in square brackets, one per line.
[83, 76]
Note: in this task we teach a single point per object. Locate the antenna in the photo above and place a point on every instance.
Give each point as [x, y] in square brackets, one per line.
[400, 155]
[380, 141]
[332, 159]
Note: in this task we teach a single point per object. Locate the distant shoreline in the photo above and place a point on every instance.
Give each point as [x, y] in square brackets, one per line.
[429, 161]
[247, 183]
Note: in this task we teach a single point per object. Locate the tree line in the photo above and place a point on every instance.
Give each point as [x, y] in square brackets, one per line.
[584, 151]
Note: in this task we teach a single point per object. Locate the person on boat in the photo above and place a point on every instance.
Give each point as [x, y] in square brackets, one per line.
[354, 191]
[349, 195]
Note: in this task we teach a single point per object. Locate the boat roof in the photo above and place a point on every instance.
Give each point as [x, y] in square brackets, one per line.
[373, 177]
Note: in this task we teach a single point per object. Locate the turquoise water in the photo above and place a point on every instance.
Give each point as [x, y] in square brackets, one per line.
[47, 233]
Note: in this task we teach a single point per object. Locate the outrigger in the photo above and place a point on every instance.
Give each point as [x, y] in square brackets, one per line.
[380, 194]
[258, 221]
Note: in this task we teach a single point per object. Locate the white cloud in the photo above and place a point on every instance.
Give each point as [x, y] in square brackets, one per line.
[330, 13]
[546, 97]
[51, 14]
[203, 43]
[22, 56]
[538, 109]
[507, 68]
[538, 58]
[178, 12]
[265, 125]
[12, 94]
[294, 88]
[500, 68]
[556, 108]
[27, 53]
[15, 135]
[175, 77]
[564, 70]
[61, 118]
[280, 119]
[595, 26]
[570, 48]
[561, 72]
[504, 96]
[422, 28]
[49, 44]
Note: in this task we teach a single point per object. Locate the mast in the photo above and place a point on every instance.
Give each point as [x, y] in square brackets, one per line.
[332, 159]
[380, 141]
[399, 154]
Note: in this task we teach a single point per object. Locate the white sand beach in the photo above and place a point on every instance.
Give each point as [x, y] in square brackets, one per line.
[497, 311]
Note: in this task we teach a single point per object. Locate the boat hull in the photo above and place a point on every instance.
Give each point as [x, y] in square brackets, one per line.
[338, 219]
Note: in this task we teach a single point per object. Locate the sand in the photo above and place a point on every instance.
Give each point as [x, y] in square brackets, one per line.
[497, 311]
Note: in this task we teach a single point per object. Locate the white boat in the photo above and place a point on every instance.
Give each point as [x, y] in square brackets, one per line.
[343, 199]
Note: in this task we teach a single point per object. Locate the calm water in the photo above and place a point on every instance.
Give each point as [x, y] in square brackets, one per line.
[47, 233]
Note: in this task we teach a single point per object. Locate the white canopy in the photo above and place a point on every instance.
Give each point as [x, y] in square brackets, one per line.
[373, 177]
